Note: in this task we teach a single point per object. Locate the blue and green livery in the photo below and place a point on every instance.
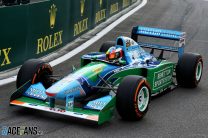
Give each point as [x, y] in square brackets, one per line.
[93, 91]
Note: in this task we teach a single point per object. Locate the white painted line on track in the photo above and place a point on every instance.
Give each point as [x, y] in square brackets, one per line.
[86, 44]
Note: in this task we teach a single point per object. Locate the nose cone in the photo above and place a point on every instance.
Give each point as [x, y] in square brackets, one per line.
[65, 87]
[50, 94]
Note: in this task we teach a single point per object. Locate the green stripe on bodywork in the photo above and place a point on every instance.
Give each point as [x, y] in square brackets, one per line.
[32, 101]
[151, 75]
[91, 70]
[120, 75]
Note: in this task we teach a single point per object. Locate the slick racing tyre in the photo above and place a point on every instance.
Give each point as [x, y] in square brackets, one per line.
[189, 70]
[133, 97]
[105, 46]
[35, 70]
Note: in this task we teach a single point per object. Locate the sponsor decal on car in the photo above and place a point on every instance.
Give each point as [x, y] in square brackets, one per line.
[162, 77]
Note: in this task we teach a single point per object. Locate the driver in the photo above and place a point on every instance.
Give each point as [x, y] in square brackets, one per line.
[114, 54]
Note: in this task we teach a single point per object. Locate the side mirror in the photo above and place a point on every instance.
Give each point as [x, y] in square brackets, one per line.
[147, 62]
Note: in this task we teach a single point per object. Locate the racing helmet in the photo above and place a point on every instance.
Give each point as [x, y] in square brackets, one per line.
[114, 53]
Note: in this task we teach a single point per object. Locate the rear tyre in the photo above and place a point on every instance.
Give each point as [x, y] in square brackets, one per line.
[35, 70]
[189, 70]
[133, 97]
[105, 46]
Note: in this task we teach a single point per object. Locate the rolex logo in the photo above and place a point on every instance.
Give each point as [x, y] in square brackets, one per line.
[52, 12]
[82, 3]
[101, 3]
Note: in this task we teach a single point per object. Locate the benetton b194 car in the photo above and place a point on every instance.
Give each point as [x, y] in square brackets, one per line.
[122, 76]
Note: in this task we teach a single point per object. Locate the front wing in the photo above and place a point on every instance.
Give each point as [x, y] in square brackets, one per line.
[99, 116]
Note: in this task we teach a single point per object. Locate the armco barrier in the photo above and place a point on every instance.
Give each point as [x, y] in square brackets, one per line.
[13, 36]
[37, 29]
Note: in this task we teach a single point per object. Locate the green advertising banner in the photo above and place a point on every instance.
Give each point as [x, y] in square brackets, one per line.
[125, 3]
[114, 6]
[133, 1]
[99, 11]
[80, 15]
[13, 36]
[48, 28]
[38, 29]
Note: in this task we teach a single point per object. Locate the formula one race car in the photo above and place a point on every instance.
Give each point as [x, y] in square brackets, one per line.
[122, 76]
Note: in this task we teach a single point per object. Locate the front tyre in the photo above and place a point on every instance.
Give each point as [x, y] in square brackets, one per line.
[133, 97]
[189, 70]
[35, 70]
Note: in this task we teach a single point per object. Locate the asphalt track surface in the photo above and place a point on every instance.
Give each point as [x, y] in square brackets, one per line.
[181, 113]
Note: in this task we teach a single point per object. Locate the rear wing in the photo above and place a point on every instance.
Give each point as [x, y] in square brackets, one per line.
[163, 34]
